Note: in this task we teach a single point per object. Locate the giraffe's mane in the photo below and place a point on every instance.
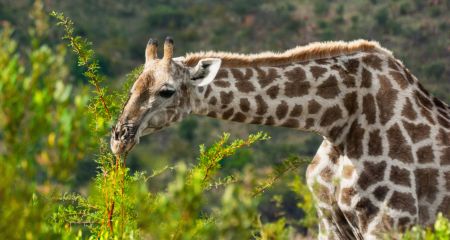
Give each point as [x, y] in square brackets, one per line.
[316, 50]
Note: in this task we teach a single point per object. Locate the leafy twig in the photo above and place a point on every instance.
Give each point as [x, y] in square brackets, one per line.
[286, 166]
[85, 55]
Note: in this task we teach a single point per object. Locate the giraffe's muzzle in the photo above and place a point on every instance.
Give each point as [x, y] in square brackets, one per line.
[123, 138]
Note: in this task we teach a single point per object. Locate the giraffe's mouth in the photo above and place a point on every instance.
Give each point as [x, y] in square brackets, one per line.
[123, 138]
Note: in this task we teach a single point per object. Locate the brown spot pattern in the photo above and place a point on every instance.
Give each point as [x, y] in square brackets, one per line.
[443, 137]
[347, 171]
[346, 78]
[266, 78]
[398, 77]
[447, 180]
[403, 201]
[366, 78]
[281, 110]
[201, 89]
[213, 101]
[257, 120]
[261, 105]
[386, 98]
[336, 131]
[425, 154]
[424, 216]
[400, 176]
[444, 113]
[409, 76]
[354, 141]
[375, 143]
[309, 123]
[317, 71]
[208, 91]
[228, 113]
[392, 64]
[326, 174]
[273, 91]
[352, 65]
[347, 195]
[239, 117]
[369, 108]
[439, 104]
[270, 121]
[296, 85]
[398, 147]
[226, 98]
[322, 61]
[334, 154]
[427, 114]
[380, 192]
[349, 81]
[330, 116]
[244, 104]
[243, 82]
[372, 173]
[423, 101]
[313, 107]
[403, 223]
[445, 206]
[329, 88]
[222, 73]
[291, 123]
[426, 183]
[444, 122]
[313, 164]
[323, 193]
[387, 222]
[408, 110]
[421, 88]
[417, 132]
[350, 103]
[372, 61]
[212, 114]
[366, 212]
[296, 111]
[445, 157]
[221, 83]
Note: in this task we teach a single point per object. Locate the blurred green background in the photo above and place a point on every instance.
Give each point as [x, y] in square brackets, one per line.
[54, 89]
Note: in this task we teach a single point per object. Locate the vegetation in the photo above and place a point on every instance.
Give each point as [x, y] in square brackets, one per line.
[441, 231]
[58, 101]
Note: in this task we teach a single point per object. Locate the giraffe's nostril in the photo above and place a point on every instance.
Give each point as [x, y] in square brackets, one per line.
[116, 135]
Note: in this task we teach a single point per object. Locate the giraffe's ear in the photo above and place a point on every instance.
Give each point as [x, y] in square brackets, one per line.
[205, 71]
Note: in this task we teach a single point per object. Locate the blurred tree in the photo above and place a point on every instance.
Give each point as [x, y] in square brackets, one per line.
[43, 125]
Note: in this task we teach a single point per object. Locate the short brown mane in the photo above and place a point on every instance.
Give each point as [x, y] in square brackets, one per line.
[311, 51]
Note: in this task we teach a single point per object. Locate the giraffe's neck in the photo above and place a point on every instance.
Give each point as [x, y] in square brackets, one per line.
[390, 139]
[316, 95]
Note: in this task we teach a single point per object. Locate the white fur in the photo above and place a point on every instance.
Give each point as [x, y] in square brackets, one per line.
[212, 69]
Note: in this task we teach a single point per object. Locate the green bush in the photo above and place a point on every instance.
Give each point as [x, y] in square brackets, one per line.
[441, 231]
[43, 130]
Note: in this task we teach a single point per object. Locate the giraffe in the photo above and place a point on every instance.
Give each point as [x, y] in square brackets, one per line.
[384, 163]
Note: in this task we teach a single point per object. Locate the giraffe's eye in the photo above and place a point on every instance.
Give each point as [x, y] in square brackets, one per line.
[166, 92]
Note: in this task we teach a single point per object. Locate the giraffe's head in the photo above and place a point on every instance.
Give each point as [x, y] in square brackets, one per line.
[161, 95]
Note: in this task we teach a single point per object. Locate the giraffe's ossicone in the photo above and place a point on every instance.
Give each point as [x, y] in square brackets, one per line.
[384, 164]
